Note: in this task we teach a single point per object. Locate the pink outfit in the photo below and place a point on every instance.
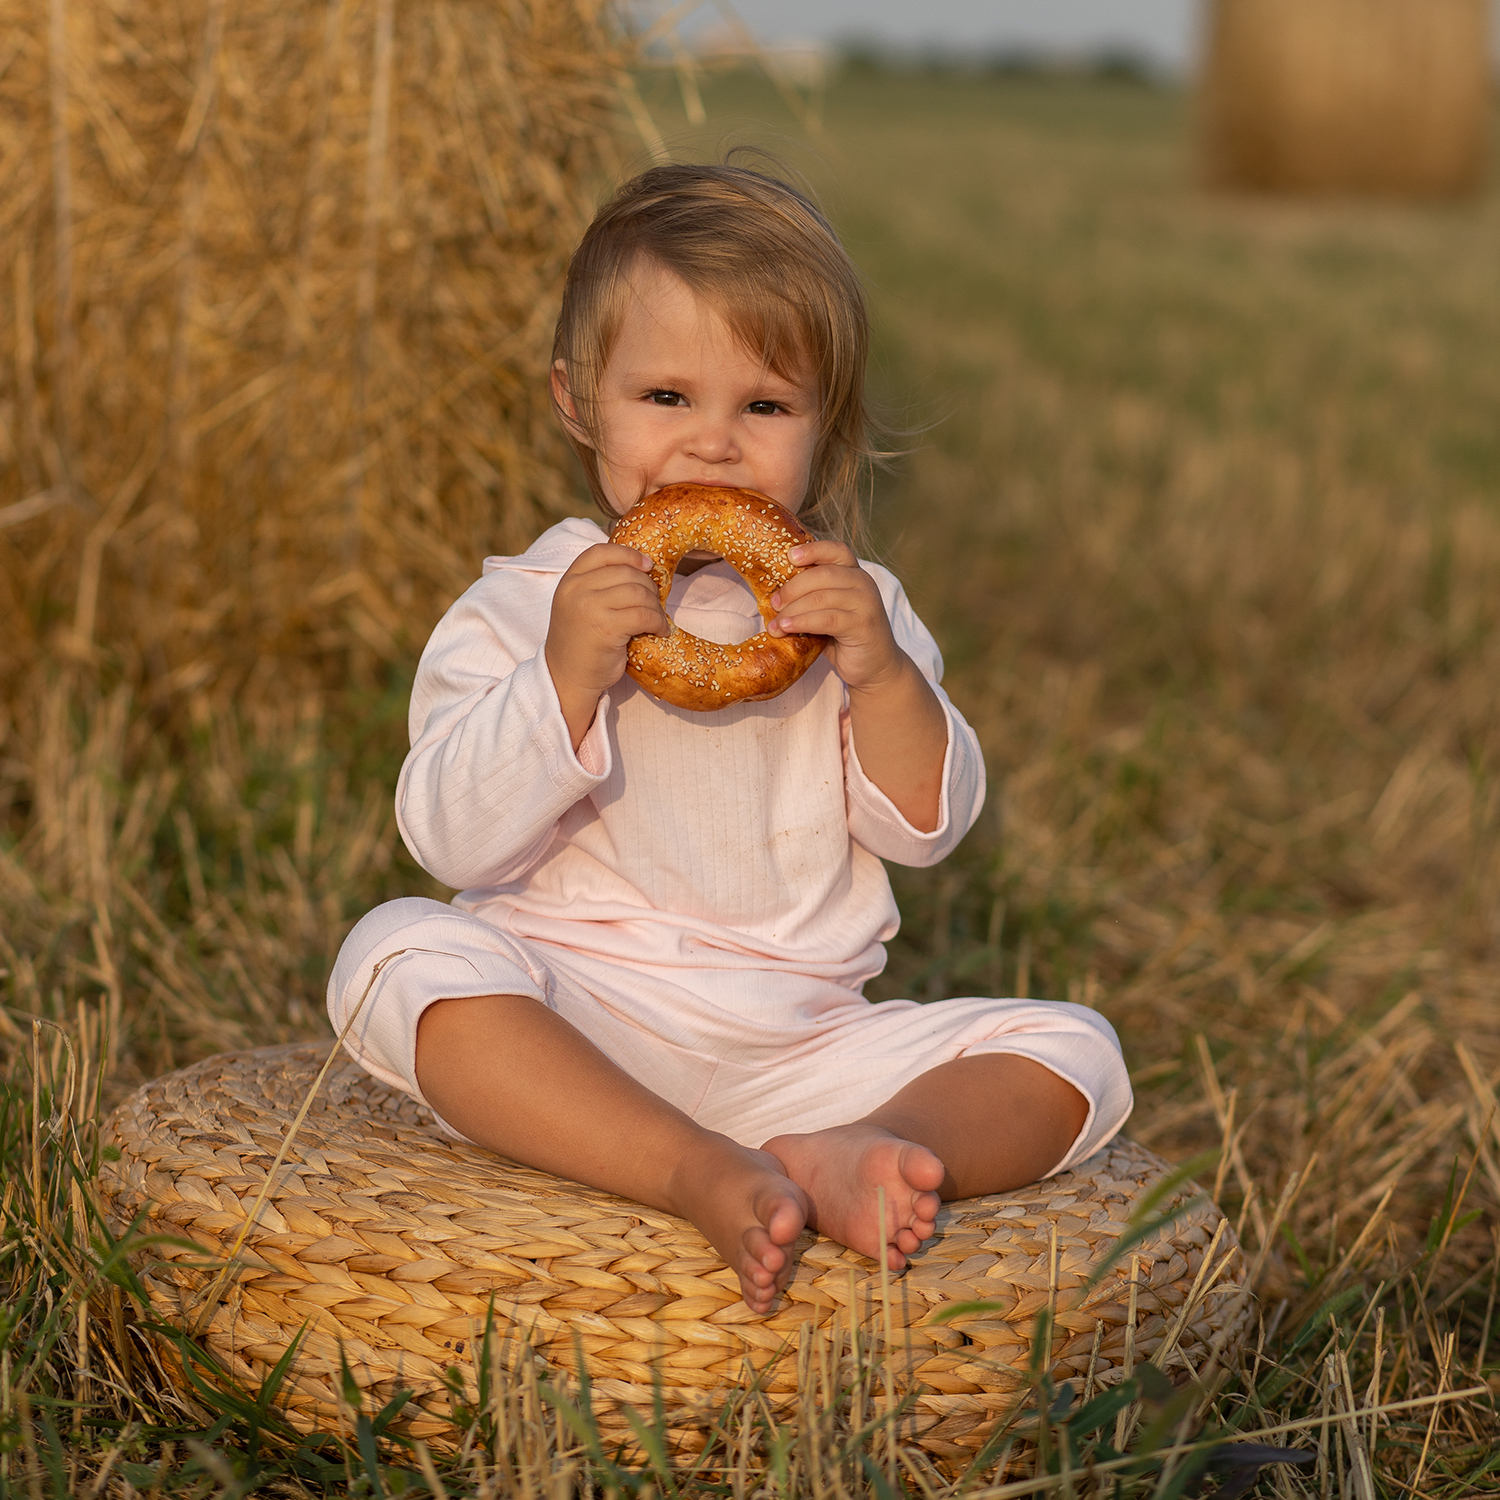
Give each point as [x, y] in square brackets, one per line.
[700, 894]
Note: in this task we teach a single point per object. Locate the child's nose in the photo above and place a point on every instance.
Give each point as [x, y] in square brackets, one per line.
[714, 442]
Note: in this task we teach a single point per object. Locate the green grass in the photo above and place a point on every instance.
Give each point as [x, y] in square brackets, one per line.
[1202, 499]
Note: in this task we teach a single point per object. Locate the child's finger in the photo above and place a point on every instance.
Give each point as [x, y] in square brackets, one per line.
[814, 554]
[616, 584]
[624, 609]
[835, 622]
[824, 601]
[642, 621]
[608, 555]
[626, 593]
[822, 587]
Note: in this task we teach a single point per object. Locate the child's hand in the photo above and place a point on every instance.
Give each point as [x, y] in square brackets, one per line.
[834, 596]
[899, 729]
[604, 599]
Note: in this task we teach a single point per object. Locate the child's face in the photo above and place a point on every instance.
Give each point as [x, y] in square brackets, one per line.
[682, 401]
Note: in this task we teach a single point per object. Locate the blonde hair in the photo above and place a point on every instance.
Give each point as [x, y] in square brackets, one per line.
[763, 255]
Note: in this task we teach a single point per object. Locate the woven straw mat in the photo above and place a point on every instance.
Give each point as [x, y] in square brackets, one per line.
[389, 1242]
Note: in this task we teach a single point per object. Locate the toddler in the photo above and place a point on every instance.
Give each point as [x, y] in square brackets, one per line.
[651, 979]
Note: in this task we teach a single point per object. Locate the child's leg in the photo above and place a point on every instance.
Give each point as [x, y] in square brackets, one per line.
[520, 1080]
[997, 1121]
[974, 1125]
[438, 1002]
[936, 1101]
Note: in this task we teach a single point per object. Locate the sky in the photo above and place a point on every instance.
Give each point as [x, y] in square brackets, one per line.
[1161, 31]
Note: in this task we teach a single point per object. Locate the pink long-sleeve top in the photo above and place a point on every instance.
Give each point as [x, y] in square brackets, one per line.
[745, 838]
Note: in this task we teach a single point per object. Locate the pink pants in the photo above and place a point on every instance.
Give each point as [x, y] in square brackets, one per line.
[746, 1052]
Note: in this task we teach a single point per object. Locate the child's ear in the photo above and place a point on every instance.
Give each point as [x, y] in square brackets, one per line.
[567, 408]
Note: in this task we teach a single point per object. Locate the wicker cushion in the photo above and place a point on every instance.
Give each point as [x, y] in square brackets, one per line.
[386, 1238]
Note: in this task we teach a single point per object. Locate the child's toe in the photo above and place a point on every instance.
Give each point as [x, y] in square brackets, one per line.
[760, 1284]
[785, 1222]
[773, 1261]
[922, 1169]
[756, 1299]
[924, 1212]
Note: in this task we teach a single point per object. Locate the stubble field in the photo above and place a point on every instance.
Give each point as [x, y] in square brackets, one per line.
[1201, 497]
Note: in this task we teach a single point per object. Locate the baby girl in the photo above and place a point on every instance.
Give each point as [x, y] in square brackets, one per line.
[651, 979]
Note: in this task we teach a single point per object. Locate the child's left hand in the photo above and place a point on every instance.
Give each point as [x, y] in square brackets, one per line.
[898, 726]
[834, 596]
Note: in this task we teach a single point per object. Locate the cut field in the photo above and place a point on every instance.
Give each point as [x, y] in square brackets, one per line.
[1201, 497]
[1206, 515]
[1207, 520]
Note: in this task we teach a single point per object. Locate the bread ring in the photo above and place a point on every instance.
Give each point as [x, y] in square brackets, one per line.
[752, 533]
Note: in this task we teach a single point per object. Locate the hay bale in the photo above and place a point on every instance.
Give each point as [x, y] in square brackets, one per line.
[1347, 96]
[280, 281]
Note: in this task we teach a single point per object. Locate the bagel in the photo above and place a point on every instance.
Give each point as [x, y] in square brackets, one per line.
[753, 534]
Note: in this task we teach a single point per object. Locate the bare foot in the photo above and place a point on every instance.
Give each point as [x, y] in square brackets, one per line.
[747, 1209]
[842, 1171]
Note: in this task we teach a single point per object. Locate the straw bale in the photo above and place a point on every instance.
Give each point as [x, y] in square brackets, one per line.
[1331, 96]
[280, 280]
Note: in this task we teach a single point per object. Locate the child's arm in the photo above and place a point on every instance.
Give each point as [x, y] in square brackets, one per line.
[501, 749]
[899, 729]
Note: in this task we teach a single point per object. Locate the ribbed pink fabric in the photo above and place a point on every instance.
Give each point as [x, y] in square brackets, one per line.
[740, 829]
[712, 880]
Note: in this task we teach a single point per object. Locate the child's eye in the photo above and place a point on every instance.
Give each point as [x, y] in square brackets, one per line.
[764, 408]
[665, 398]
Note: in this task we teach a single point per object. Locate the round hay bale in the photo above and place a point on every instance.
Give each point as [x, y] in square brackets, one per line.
[391, 1244]
[285, 275]
[1347, 96]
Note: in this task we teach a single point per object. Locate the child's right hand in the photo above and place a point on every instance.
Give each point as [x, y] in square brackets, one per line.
[604, 599]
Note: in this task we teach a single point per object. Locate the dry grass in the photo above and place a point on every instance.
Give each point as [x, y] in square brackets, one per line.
[100, 1399]
[1209, 535]
[1231, 642]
